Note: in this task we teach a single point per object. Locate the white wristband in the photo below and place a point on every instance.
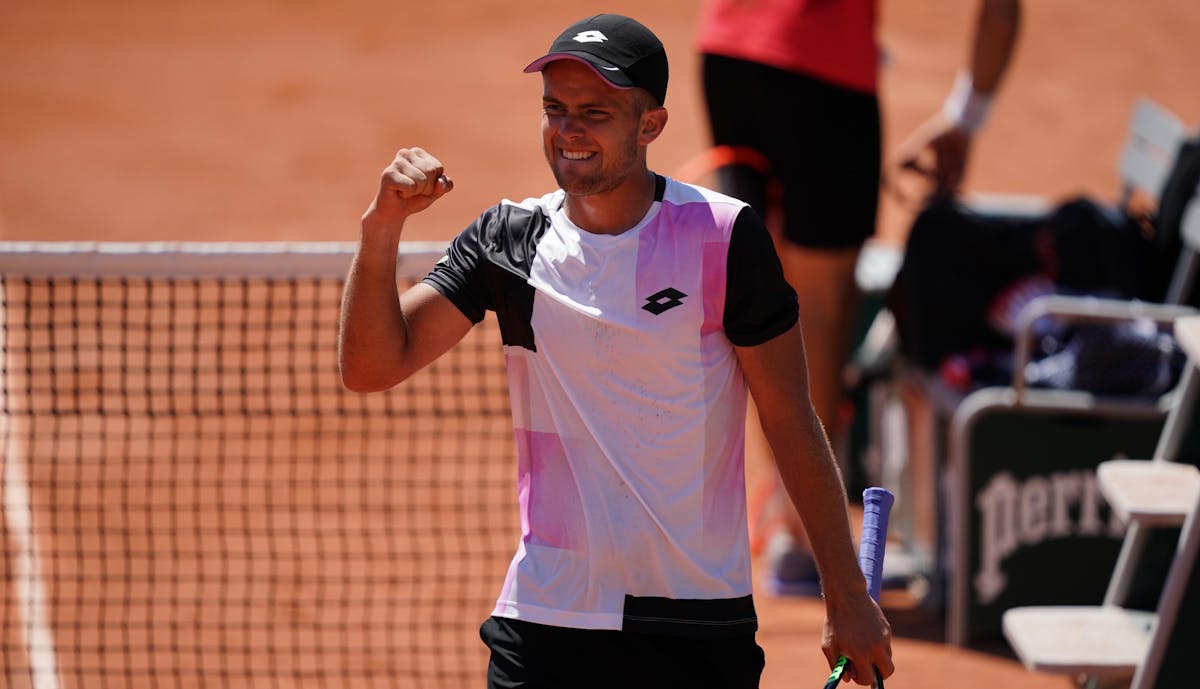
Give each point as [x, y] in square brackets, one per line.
[965, 107]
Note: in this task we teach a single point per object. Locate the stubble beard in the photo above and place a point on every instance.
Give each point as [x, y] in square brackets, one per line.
[605, 179]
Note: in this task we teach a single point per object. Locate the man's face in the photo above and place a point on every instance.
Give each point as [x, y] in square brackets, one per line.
[591, 130]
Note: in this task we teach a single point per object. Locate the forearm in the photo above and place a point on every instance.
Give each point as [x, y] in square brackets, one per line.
[996, 32]
[371, 327]
[811, 477]
[970, 99]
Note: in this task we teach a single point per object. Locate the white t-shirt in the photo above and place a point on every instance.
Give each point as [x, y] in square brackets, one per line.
[628, 403]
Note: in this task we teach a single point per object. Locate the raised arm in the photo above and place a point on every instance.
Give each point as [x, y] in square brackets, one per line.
[939, 148]
[855, 627]
[383, 336]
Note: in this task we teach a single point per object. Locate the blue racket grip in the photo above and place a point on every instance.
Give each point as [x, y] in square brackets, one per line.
[877, 505]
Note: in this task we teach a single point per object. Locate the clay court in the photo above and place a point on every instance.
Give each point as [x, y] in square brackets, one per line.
[270, 121]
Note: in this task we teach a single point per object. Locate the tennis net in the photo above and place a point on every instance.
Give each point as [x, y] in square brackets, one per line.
[191, 499]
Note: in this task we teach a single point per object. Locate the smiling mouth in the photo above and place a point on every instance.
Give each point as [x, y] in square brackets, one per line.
[577, 155]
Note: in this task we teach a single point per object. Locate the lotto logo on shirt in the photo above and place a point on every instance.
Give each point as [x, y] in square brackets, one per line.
[664, 300]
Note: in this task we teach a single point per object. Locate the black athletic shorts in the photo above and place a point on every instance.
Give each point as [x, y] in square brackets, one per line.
[823, 142]
[535, 656]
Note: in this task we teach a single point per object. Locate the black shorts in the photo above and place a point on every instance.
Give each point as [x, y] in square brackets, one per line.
[535, 656]
[823, 142]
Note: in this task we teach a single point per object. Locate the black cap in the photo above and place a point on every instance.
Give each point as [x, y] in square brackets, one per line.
[618, 48]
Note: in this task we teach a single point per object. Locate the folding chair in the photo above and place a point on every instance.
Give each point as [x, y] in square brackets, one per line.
[1111, 642]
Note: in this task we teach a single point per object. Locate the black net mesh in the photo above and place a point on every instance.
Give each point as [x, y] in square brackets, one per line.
[191, 499]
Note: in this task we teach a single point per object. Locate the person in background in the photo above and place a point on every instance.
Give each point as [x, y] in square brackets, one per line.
[791, 88]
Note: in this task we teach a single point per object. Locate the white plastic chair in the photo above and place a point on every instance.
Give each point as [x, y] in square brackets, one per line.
[1110, 642]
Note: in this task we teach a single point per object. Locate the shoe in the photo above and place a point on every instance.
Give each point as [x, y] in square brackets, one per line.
[791, 571]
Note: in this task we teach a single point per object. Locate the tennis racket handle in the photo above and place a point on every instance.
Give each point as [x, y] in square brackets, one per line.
[835, 677]
[877, 505]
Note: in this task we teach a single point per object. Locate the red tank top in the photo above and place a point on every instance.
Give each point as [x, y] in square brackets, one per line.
[828, 39]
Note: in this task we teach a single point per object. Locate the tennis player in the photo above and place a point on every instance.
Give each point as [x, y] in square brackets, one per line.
[636, 312]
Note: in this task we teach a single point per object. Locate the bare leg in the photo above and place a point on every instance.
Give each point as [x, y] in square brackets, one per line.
[824, 283]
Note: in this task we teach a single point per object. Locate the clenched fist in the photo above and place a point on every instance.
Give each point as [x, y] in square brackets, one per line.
[413, 181]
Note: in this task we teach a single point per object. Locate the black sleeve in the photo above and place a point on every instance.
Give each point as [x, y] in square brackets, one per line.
[759, 302]
[459, 275]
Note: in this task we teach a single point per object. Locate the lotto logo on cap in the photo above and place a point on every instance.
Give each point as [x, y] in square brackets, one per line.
[592, 36]
[621, 50]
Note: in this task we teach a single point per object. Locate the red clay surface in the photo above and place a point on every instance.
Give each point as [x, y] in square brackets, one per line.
[270, 120]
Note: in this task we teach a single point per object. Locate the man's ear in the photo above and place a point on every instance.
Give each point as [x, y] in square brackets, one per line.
[654, 120]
